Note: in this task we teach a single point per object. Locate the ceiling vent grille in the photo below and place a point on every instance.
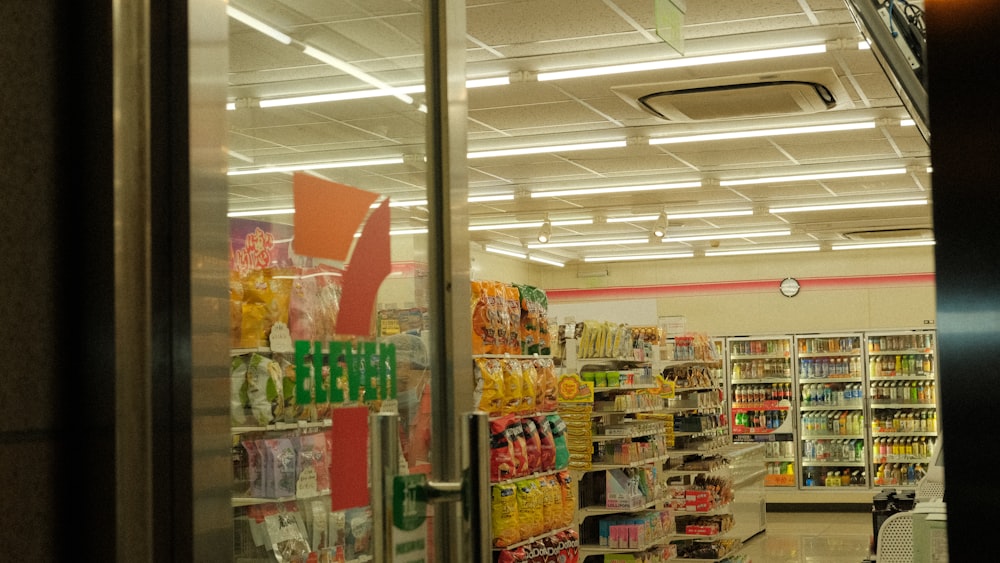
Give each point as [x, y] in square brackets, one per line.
[776, 94]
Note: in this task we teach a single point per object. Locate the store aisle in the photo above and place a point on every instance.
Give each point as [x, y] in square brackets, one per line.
[812, 537]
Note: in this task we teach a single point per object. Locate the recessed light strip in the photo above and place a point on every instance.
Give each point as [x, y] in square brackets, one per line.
[505, 252]
[785, 250]
[721, 236]
[617, 189]
[682, 62]
[695, 215]
[315, 166]
[529, 225]
[625, 257]
[609, 242]
[261, 212]
[840, 206]
[254, 23]
[822, 176]
[547, 149]
[763, 133]
[871, 245]
[534, 258]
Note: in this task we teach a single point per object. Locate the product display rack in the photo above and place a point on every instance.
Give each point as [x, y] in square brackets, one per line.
[902, 383]
[763, 397]
[834, 446]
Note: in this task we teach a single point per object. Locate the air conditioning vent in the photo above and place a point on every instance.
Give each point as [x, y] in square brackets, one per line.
[776, 94]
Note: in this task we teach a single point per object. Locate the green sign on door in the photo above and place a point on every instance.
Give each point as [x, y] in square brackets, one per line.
[409, 516]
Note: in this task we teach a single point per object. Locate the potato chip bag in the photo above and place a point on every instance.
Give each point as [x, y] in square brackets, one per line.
[504, 515]
[529, 508]
[491, 397]
[499, 316]
[254, 319]
[533, 445]
[529, 378]
[482, 329]
[568, 497]
[546, 385]
[503, 464]
[559, 437]
[516, 555]
[235, 309]
[552, 504]
[329, 283]
[515, 433]
[512, 302]
[547, 444]
[513, 385]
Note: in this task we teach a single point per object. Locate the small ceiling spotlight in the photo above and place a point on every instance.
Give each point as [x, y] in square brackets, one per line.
[660, 228]
[545, 233]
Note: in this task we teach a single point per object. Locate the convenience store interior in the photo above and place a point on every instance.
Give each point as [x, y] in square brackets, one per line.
[726, 205]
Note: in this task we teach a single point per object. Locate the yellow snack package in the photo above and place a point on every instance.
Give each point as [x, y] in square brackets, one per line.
[491, 399]
[529, 386]
[504, 515]
[512, 385]
[529, 508]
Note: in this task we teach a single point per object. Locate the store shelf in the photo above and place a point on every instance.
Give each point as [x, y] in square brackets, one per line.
[599, 414]
[605, 466]
[614, 437]
[256, 501]
[833, 407]
[828, 354]
[532, 476]
[833, 379]
[587, 511]
[880, 433]
[302, 424]
[690, 389]
[634, 387]
[924, 377]
[813, 463]
[894, 406]
[833, 437]
[594, 549]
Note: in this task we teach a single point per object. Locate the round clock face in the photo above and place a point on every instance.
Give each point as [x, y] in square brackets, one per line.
[789, 287]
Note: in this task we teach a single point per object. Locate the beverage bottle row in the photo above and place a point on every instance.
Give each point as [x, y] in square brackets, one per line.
[897, 449]
[817, 368]
[917, 365]
[837, 478]
[833, 450]
[779, 449]
[761, 393]
[888, 474]
[900, 342]
[924, 420]
[844, 344]
[826, 394]
[780, 468]
[761, 419]
[760, 347]
[835, 423]
[904, 392]
[759, 369]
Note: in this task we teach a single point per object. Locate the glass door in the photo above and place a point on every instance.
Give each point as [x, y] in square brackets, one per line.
[338, 376]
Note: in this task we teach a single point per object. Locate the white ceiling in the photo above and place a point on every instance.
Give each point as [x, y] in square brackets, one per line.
[518, 39]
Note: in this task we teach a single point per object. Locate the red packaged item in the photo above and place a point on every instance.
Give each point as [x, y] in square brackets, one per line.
[513, 556]
[533, 445]
[547, 444]
[515, 434]
[503, 464]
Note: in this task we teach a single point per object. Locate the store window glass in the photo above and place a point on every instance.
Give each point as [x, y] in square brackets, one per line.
[328, 267]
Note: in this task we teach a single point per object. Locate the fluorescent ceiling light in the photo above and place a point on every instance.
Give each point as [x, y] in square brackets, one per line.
[682, 62]
[907, 123]
[315, 166]
[406, 203]
[898, 244]
[511, 253]
[545, 261]
[365, 94]
[589, 243]
[529, 225]
[419, 231]
[839, 206]
[708, 214]
[638, 257]
[823, 176]
[763, 133]
[496, 197]
[864, 45]
[230, 106]
[547, 149]
[785, 250]
[722, 236]
[617, 189]
[258, 25]
[261, 212]
[696, 215]
[484, 82]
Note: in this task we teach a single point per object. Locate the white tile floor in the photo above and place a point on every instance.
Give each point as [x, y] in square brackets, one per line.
[812, 537]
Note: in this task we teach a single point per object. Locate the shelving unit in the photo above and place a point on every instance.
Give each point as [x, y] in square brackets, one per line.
[902, 383]
[763, 397]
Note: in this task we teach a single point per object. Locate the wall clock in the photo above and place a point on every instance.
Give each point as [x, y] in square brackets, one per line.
[789, 287]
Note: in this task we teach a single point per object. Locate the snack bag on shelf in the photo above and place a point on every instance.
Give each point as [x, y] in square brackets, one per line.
[528, 324]
[490, 386]
[261, 389]
[239, 414]
[255, 314]
[329, 282]
[547, 444]
[506, 525]
[568, 498]
[529, 387]
[515, 433]
[544, 336]
[483, 331]
[546, 385]
[512, 302]
[558, 427]
[499, 314]
[235, 309]
[552, 505]
[513, 385]
[287, 533]
[517, 555]
[533, 445]
[529, 508]
[503, 464]
[281, 459]
[304, 322]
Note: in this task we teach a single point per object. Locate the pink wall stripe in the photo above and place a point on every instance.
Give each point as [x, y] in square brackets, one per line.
[754, 286]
